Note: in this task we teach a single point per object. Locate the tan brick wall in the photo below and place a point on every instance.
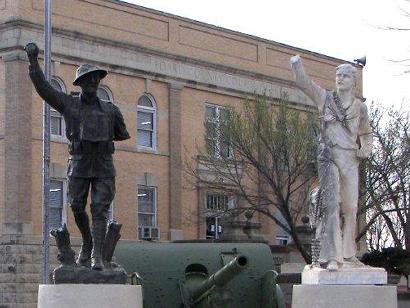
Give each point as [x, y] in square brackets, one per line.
[2, 124]
[2, 185]
[2, 98]
[17, 147]
[130, 163]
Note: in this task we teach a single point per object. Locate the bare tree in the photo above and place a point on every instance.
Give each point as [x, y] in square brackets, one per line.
[265, 155]
[404, 8]
[387, 193]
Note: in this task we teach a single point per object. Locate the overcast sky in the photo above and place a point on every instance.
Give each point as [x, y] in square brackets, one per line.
[342, 29]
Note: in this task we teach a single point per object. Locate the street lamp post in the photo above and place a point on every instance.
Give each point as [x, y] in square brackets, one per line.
[46, 145]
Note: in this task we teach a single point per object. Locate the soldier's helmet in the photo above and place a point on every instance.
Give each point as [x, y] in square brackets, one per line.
[85, 69]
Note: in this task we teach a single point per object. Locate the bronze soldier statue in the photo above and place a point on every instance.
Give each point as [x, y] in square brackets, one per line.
[91, 127]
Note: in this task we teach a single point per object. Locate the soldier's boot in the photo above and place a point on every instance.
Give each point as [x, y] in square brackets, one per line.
[82, 221]
[99, 231]
[84, 257]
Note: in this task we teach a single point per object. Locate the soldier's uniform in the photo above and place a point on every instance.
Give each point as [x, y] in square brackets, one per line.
[91, 127]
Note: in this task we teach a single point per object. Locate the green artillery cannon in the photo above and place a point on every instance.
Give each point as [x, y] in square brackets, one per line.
[193, 290]
[203, 274]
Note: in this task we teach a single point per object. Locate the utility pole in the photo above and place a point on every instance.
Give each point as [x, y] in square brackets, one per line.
[46, 145]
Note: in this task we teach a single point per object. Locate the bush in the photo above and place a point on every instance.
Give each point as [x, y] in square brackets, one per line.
[393, 260]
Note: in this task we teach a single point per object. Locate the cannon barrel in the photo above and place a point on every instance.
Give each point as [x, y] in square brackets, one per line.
[221, 277]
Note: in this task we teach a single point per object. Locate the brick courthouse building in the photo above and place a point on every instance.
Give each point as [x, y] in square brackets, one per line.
[166, 74]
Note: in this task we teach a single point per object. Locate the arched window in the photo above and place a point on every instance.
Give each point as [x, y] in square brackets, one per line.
[105, 94]
[146, 121]
[57, 124]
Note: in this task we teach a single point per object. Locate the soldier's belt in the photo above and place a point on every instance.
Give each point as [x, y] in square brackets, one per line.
[87, 147]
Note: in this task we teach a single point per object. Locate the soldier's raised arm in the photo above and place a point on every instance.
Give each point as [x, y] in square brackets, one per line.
[311, 89]
[53, 97]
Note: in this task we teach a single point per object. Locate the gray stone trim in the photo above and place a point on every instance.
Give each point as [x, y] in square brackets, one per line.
[17, 127]
[138, 59]
[58, 171]
[118, 147]
[175, 158]
[14, 55]
[148, 179]
[176, 235]
[176, 86]
[148, 84]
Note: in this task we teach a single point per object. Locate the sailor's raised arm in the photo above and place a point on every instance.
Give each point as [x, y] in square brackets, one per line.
[53, 97]
[316, 93]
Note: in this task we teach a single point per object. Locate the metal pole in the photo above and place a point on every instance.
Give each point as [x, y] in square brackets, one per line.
[46, 145]
[216, 228]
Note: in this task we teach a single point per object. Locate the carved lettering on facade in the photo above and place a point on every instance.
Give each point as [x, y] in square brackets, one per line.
[140, 61]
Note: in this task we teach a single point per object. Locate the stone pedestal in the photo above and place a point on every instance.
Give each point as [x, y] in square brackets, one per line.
[351, 286]
[365, 275]
[342, 296]
[89, 296]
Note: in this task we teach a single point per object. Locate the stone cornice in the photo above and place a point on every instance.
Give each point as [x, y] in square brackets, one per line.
[139, 48]
[118, 147]
[14, 55]
[80, 47]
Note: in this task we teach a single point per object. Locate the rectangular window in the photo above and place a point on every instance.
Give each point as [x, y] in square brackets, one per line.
[146, 207]
[282, 240]
[217, 201]
[57, 215]
[57, 125]
[282, 237]
[217, 142]
[145, 128]
[111, 211]
[213, 228]
[147, 213]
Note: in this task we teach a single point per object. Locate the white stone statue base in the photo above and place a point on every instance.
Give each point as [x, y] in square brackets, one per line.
[344, 296]
[89, 296]
[347, 275]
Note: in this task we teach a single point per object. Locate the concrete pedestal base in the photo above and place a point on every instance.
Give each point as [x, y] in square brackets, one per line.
[364, 275]
[89, 296]
[342, 296]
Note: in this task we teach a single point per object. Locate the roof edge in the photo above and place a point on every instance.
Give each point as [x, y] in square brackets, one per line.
[226, 30]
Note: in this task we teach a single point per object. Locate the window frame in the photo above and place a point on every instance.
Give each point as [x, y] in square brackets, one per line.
[64, 199]
[217, 197]
[153, 111]
[217, 213]
[155, 206]
[282, 240]
[217, 151]
[109, 93]
[55, 114]
[111, 213]
[217, 226]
